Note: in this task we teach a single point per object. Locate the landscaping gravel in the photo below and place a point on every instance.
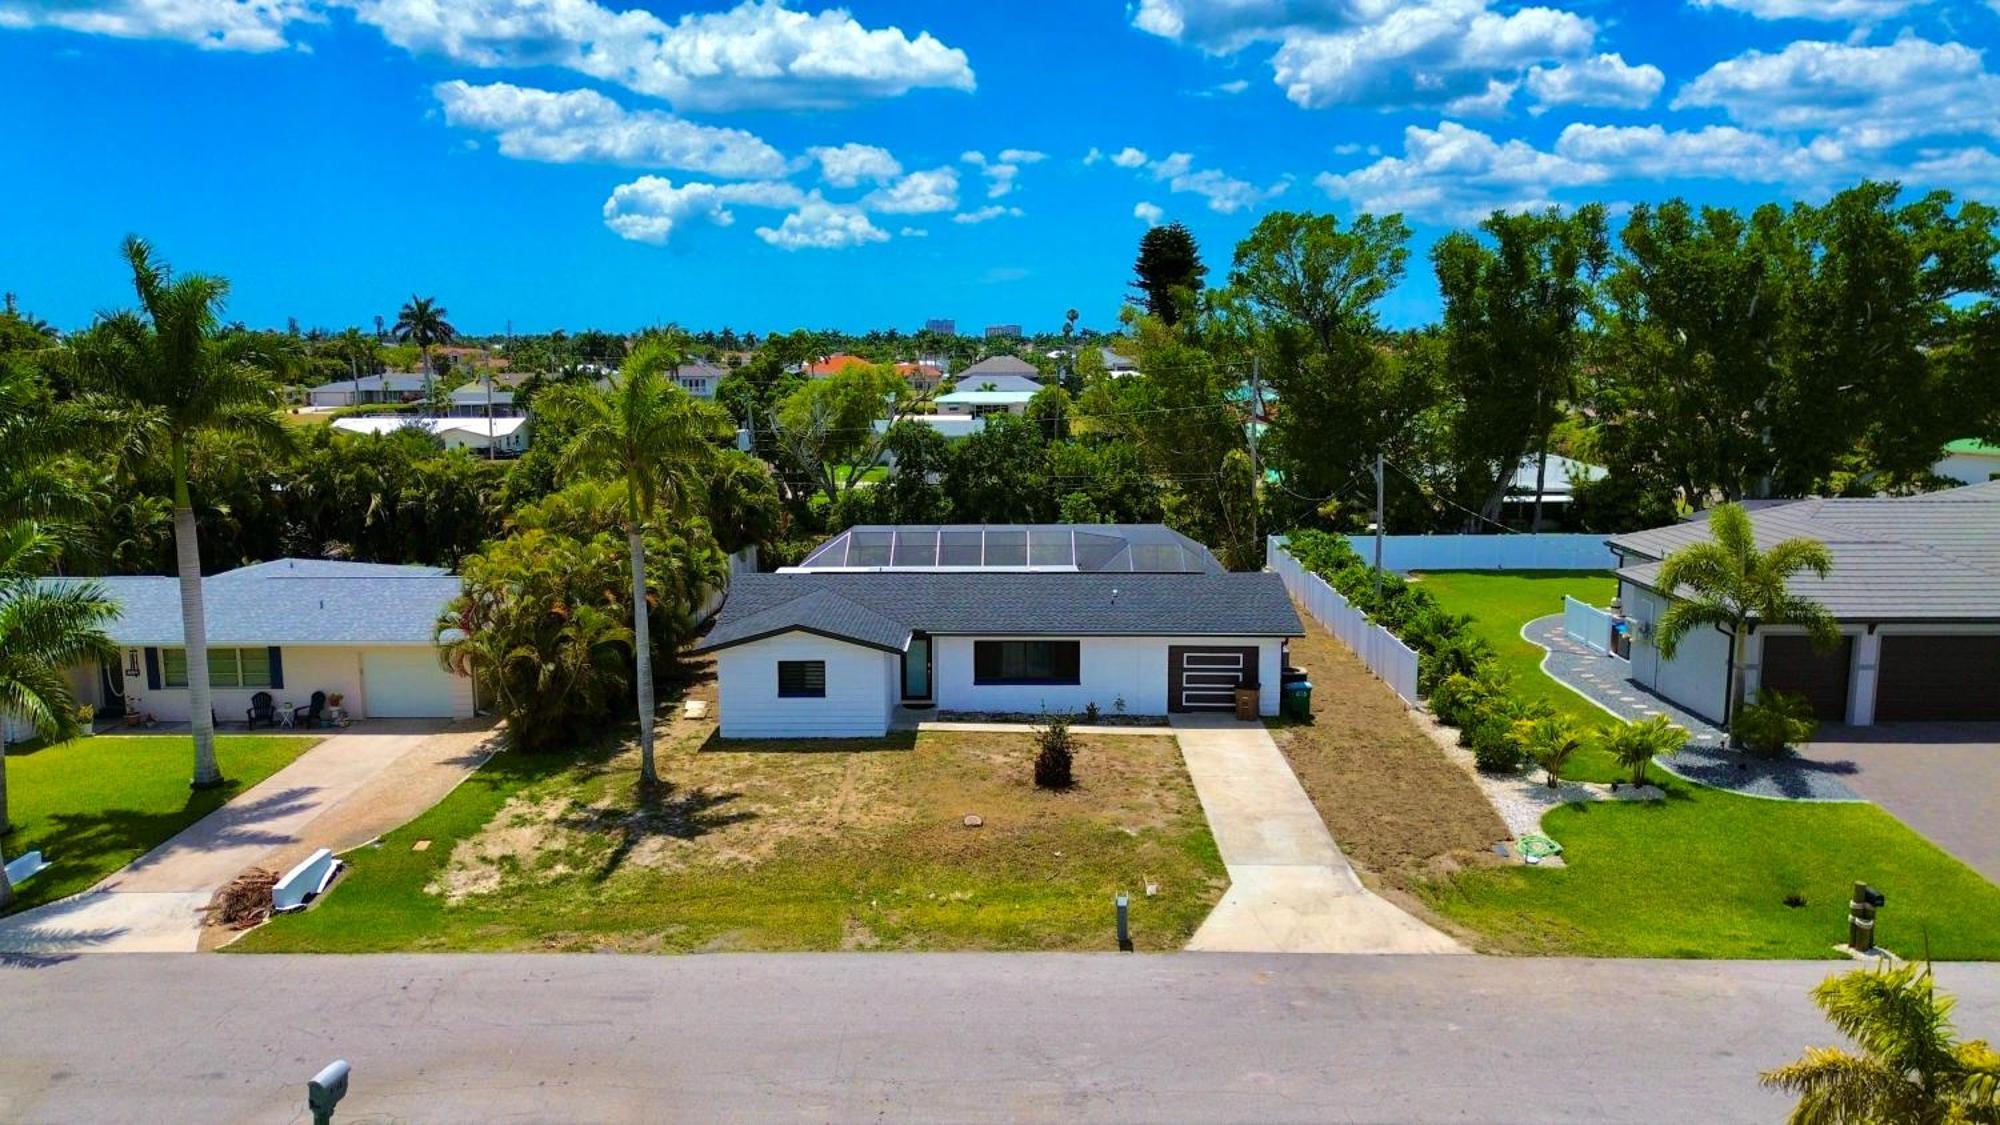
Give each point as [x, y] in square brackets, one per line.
[1790, 778]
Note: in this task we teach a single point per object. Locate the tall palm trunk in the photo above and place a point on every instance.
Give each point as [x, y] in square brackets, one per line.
[194, 630]
[1734, 708]
[6, 821]
[642, 649]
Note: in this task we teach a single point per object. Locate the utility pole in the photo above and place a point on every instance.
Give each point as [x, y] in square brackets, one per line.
[1256, 466]
[1378, 525]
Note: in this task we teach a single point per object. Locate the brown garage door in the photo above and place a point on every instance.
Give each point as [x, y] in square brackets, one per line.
[1937, 676]
[1206, 679]
[1792, 665]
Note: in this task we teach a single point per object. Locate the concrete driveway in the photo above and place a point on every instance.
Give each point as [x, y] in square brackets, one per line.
[154, 904]
[1942, 779]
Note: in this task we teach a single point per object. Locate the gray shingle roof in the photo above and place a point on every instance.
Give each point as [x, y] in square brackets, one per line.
[973, 379]
[855, 606]
[1934, 557]
[398, 382]
[998, 365]
[289, 601]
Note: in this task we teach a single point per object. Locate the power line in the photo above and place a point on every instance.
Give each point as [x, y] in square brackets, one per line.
[1447, 502]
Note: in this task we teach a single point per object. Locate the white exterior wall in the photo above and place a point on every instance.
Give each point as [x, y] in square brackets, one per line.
[862, 689]
[308, 668]
[1132, 667]
[1697, 678]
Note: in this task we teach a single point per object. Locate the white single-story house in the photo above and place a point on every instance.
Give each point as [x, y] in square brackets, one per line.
[1969, 461]
[390, 387]
[1915, 586]
[473, 400]
[978, 404]
[505, 436]
[1132, 618]
[289, 627]
[954, 427]
[1558, 483]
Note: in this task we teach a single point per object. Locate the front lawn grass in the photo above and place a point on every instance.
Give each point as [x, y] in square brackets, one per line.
[1500, 602]
[783, 846]
[96, 804]
[1706, 873]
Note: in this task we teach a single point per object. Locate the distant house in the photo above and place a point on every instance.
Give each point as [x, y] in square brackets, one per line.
[1969, 461]
[996, 619]
[473, 400]
[979, 404]
[1001, 385]
[369, 390]
[1116, 364]
[835, 364]
[921, 376]
[954, 427]
[506, 437]
[1915, 587]
[698, 378]
[1558, 483]
[290, 628]
[997, 365]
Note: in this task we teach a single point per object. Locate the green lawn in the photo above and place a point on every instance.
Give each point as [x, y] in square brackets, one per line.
[874, 474]
[1500, 603]
[1706, 874]
[96, 804]
[809, 846]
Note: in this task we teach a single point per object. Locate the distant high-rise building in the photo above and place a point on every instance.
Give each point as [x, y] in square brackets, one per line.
[1003, 331]
[943, 326]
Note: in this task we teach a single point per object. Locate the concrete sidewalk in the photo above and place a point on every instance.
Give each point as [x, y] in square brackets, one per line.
[1290, 889]
[154, 904]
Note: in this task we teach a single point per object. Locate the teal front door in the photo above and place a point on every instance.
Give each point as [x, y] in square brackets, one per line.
[917, 670]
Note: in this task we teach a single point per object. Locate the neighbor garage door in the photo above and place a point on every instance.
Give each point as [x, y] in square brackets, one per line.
[1792, 665]
[1206, 679]
[1937, 676]
[405, 684]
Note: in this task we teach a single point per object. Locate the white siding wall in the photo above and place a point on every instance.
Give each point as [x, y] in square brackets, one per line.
[307, 669]
[1697, 678]
[1132, 667]
[861, 689]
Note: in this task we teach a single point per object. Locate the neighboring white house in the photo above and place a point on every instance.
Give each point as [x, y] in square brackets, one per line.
[366, 390]
[1915, 586]
[506, 436]
[1969, 461]
[954, 427]
[1135, 619]
[475, 399]
[290, 628]
[698, 378]
[1118, 366]
[978, 404]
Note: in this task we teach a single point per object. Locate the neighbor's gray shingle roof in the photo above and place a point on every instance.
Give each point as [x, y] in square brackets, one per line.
[975, 380]
[999, 365]
[1056, 604]
[1934, 557]
[290, 601]
[398, 381]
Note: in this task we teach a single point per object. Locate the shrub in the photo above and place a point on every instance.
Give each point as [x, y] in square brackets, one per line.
[1055, 756]
[1635, 745]
[1550, 741]
[1091, 713]
[1492, 731]
[1776, 722]
[1459, 696]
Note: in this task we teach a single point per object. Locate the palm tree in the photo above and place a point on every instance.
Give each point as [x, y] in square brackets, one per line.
[1635, 745]
[1549, 741]
[1734, 585]
[1912, 1068]
[44, 631]
[164, 375]
[649, 432]
[422, 321]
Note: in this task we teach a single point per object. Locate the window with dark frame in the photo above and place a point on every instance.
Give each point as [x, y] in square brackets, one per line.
[1027, 662]
[801, 679]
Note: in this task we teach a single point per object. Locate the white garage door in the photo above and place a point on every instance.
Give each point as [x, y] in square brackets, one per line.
[405, 684]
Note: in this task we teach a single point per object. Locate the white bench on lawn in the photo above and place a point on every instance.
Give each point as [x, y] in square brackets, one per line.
[25, 866]
[305, 882]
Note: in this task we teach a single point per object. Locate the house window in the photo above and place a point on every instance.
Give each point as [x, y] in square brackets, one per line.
[1026, 662]
[801, 679]
[227, 667]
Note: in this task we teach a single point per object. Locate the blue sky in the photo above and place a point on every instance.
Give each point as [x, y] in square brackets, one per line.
[598, 163]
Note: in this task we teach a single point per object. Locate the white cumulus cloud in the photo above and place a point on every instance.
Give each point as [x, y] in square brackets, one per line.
[1001, 171]
[652, 208]
[1856, 11]
[917, 193]
[1602, 80]
[1129, 157]
[1148, 213]
[217, 25]
[1869, 97]
[849, 164]
[585, 126]
[819, 225]
[987, 213]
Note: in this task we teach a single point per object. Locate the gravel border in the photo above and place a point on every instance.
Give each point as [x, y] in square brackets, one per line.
[1790, 778]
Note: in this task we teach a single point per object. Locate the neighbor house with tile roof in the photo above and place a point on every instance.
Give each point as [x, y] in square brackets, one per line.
[1915, 587]
[880, 623]
[290, 627]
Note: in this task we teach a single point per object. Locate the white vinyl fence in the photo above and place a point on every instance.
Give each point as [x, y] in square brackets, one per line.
[1390, 659]
[1405, 553]
[1587, 623]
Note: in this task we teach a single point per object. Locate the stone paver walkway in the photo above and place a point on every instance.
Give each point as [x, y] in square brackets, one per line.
[154, 904]
[1290, 889]
[1707, 760]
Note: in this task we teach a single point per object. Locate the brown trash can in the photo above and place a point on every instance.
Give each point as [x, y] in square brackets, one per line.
[1246, 704]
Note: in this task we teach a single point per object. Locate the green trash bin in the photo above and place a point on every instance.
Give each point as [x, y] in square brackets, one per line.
[1298, 700]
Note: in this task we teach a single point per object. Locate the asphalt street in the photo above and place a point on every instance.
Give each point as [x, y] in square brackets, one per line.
[1178, 1037]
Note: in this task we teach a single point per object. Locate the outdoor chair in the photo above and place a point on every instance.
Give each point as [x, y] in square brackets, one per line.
[312, 714]
[261, 711]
